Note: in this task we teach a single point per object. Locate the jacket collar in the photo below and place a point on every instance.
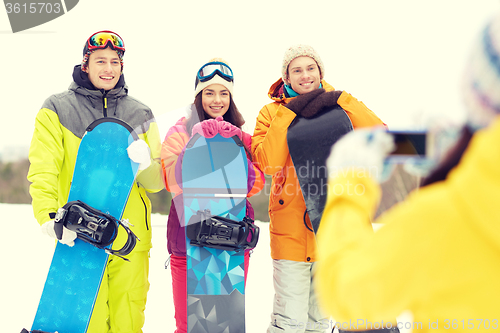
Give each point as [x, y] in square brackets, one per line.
[277, 91]
[81, 80]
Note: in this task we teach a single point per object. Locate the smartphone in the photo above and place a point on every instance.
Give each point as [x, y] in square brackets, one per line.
[411, 144]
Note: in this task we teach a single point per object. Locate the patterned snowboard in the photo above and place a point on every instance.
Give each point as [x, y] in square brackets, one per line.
[309, 142]
[103, 178]
[214, 177]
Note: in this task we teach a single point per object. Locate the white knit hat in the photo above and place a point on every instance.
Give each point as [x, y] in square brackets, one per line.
[481, 84]
[300, 50]
[215, 80]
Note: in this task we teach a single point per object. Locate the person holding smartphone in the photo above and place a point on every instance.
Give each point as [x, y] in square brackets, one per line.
[442, 243]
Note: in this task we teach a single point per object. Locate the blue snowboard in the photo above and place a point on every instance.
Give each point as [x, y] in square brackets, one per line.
[309, 143]
[103, 178]
[214, 177]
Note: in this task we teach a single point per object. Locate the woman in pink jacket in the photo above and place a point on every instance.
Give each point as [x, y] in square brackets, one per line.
[213, 99]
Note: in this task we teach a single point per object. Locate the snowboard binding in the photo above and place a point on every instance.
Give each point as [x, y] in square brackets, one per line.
[222, 233]
[93, 226]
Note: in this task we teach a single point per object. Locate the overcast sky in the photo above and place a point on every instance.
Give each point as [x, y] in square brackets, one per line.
[403, 59]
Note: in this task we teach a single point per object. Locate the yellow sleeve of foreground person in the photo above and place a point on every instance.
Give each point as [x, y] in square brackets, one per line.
[345, 227]
[436, 254]
[370, 277]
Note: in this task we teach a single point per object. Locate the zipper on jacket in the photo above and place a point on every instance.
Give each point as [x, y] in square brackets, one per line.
[145, 211]
[105, 110]
[104, 103]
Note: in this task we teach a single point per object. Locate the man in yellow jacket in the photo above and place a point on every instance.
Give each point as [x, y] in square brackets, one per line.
[99, 90]
[300, 92]
[444, 239]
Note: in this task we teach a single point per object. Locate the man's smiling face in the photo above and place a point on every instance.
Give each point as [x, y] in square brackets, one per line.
[303, 75]
[104, 68]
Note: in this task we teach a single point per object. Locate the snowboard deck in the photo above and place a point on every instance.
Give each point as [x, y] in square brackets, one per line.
[309, 143]
[214, 177]
[102, 178]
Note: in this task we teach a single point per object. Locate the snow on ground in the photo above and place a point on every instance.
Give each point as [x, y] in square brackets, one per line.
[27, 254]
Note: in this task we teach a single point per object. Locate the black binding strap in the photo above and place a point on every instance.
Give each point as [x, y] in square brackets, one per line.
[93, 226]
[222, 233]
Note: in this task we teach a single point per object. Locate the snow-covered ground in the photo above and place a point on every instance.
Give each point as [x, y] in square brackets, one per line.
[27, 254]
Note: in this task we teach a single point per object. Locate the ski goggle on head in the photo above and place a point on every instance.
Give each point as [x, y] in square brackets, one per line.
[209, 70]
[103, 39]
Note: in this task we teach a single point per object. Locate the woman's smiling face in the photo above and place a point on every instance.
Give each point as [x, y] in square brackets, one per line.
[216, 100]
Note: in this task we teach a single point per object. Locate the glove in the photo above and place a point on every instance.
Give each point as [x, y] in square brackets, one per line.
[139, 152]
[325, 100]
[228, 130]
[211, 127]
[419, 167]
[68, 236]
[363, 148]
[299, 103]
[207, 128]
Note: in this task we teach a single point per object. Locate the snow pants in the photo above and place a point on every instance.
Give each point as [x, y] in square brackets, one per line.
[178, 267]
[121, 300]
[295, 307]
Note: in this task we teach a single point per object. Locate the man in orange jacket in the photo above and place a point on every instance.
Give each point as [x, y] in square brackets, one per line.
[300, 92]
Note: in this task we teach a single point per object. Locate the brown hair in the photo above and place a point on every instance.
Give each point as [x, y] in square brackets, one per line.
[198, 114]
[452, 158]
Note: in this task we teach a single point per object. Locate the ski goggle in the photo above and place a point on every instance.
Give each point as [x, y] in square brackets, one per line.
[101, 40]
[209, 70]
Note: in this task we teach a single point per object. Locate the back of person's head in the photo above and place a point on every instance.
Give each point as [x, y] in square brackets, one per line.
[481, 93]
[481, 81]
[300, 50]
